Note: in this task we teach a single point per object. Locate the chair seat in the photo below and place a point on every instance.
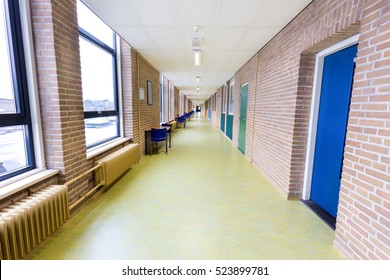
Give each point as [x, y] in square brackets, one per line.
[159, 135]
[158, 139]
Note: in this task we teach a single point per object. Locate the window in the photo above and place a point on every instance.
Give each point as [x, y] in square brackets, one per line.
[231, 97]
[99, 78]
[223, 99]
[16, 135]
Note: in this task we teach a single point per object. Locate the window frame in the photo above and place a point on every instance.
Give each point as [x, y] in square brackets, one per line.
[93, 40]
[223, 101]
[21, 90]
[215, 101]
[231, 98]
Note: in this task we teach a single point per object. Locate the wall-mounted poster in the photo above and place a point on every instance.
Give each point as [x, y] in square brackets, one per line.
[141, 93]
[150, 93]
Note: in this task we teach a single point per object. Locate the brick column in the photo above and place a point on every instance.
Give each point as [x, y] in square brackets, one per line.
[56, 42]
[127, 90]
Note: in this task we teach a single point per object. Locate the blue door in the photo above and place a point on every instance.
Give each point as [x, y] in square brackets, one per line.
[331, 128]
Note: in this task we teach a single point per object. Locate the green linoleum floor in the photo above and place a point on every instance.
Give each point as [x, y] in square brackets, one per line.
[203, 200]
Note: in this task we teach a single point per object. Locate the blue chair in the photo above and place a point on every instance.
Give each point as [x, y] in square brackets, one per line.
[169, 131]
[180, 120]
[158, 135]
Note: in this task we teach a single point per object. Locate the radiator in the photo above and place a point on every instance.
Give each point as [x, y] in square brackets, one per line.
[117, 163]
[28, 222]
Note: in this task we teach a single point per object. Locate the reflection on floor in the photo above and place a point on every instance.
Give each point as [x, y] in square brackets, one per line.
[203, 200]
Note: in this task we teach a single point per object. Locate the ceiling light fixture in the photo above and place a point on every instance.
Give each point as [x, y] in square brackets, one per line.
[197, 78]
[198, 89]
[197, 57]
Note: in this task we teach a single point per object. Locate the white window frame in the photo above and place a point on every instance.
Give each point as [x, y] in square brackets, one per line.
[92, 39]
[224, 99]
[231, 98]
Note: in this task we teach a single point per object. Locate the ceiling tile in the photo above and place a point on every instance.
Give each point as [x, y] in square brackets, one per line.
[118, 7]
[199, 12]
[227, 38]
[240, 13]
[241, 56]
[255, 38]
[136, 37]
[165, 38]
[154, 12]
[232, 30]
[272, 15]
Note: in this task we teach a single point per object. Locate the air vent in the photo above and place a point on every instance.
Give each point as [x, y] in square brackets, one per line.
[197, 42]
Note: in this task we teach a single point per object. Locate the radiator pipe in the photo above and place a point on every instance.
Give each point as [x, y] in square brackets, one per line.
[89, 193]
[85, 196]
[74, 180]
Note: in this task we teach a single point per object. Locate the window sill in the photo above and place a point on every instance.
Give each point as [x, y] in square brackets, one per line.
[93, 152]
[28, 179]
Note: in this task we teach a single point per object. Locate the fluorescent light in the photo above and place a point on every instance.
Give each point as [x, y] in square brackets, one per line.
[197, 78]
[197, 57]
[198, 89]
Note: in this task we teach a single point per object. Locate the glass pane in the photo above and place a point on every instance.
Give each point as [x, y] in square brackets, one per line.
[97, 74]
[231, 101]
[94, 25]
[99, 129]
[7, 99]
[13, 154]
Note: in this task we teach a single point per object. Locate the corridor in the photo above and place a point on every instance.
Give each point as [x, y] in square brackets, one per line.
[203, 200]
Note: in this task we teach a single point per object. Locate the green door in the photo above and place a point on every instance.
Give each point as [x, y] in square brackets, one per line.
[243, 107]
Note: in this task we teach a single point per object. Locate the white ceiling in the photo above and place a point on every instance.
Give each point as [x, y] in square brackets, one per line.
[232, 30]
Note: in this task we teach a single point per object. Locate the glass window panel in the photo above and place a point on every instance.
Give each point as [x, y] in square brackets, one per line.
[7, 99]
[97, 77]
[97, 130]
[94, 25]
[13, 155]
[231, 100]
[223, 100]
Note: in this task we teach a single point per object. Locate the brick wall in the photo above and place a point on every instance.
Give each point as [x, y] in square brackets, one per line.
[145, 116]
[165, 98]
[363, 221]
[279, 103]
[185, 104]
[176, 103]
[207, 108]
[181, 104]
[171, 101]
[278, 114]
[56, 43]
[129, 104]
